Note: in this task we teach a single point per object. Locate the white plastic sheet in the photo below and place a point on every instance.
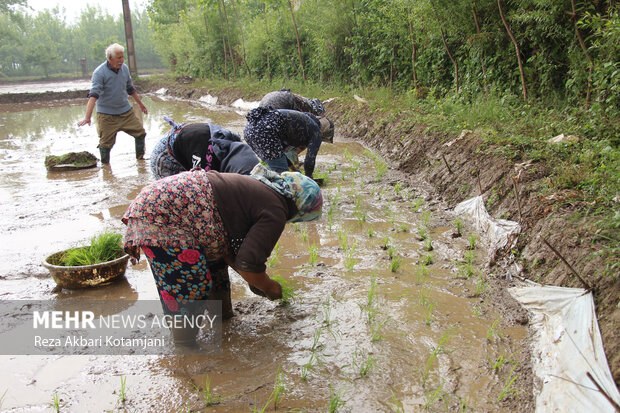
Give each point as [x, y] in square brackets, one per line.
[498, 231]
[567, 345]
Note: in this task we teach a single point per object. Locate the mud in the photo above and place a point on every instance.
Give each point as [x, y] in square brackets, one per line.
[419, 336]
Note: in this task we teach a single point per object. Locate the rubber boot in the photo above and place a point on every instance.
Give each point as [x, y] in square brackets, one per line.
[140, 147]
[105, 155]
[224, 296]
[185, 338]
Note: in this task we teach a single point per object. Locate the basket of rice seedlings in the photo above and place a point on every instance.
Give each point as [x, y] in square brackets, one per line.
[97, 264]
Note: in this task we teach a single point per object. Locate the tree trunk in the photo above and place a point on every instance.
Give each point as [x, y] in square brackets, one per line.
[585, 50]
[204, 16]
[484, 69]
[456, 66]
[413, 53]
[230, 52]
[219, 9]
[514, 41]
[303, 70]
[247, 68]
[267, 48]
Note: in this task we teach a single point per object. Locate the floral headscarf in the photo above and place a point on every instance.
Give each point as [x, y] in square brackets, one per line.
[301, 189]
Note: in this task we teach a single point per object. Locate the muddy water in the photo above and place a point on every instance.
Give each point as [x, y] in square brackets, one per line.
[366, 332]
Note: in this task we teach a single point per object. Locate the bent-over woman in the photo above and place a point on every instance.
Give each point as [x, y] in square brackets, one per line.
[285, 99]
[192, 225]
[277, 136]
[201, 145]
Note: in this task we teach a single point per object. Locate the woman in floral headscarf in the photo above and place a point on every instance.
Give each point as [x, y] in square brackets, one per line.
[190, 226]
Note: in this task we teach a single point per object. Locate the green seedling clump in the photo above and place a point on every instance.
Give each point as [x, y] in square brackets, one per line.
[289, 289]
[104, 247]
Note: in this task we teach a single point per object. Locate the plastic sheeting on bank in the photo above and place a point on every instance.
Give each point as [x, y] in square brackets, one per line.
[499, 231]
[567, 346]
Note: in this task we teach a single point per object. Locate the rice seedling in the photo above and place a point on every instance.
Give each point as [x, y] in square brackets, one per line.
[385, 243]
[500, 361]
[472, 241]
[316, 340]
[381, 167]
[370, 299]
[432, 396]
[275, 256]
[398, 187]
[2, 398]
[371, 232]
[469, 257]
[492, 331]
[458, 222]
[313, 252]
[426, 218]
[327, 311]
[395, 263]
[396, 405]
[508, 390]
[403, 228]
[347, 155]
[289, 293]
[359, 212]
[427, 259]
[103, 247]
[376, 329]
[279, 389]
[481, 286]
[122, 393]
[349, 259]
[420, 272]
[428, 244]
[477, 310]
[362, 363]
[307, 368]
[428, 305]
[57, 402]
[335, 400]
[417, 203]
[388, 209]
[435, 352]
[304, 233]
[466, 270]
[423, 233]
[208, 395]
[343, 238]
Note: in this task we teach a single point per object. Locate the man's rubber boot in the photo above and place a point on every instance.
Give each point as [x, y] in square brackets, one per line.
[140, 147]
[105, 155]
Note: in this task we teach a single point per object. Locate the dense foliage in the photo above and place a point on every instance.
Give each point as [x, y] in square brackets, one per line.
[568, 50]
[44, 44]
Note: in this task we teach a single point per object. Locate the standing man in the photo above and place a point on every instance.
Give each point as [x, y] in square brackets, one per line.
[111, 84]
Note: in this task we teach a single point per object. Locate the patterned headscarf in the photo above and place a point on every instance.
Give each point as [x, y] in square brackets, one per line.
[304, 192]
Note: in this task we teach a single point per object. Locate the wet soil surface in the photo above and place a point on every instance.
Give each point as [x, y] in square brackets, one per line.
[393, 312]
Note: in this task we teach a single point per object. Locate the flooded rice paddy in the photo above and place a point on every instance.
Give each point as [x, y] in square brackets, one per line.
[389, 316]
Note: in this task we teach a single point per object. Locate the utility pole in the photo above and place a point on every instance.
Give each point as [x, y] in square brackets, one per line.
[131, 51]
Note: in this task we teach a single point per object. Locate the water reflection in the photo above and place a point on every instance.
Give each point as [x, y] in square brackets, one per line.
[48, 211]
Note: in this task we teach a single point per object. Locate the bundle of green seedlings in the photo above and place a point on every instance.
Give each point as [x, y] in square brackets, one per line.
[289, 293]
[103, 247]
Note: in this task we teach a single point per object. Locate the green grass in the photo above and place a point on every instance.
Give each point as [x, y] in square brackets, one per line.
[313, 252]
[362, 363]
[103, 247]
